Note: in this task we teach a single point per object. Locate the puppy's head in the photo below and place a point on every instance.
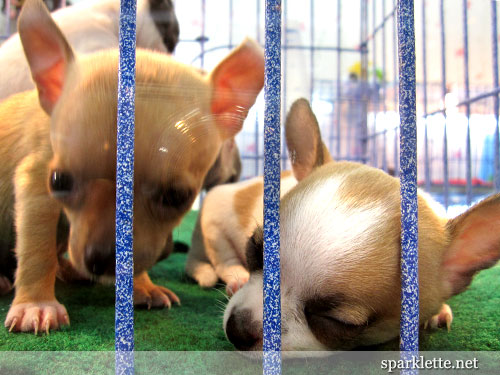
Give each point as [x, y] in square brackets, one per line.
[340, 251]
[181, 120]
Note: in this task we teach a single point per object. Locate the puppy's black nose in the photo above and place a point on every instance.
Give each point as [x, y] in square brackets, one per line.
[241, 331]
[100, 260]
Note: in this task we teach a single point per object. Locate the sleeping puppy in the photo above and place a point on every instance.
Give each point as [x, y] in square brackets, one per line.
[58, 146]
[229, 216]
[89, 26]
[340, 256]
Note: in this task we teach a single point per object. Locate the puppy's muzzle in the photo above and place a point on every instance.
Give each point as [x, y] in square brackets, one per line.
[243, 333]
[100, 259]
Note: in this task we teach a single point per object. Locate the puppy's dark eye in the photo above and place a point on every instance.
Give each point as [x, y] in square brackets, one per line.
[166, 199]
[61, 183]
[173, 197]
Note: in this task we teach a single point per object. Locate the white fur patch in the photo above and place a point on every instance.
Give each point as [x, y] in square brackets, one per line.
[325, 231]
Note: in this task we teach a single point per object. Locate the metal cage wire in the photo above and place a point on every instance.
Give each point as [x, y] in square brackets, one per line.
[372, 45]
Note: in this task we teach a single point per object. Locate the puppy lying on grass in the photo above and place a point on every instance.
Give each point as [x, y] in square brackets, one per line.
[340, 254]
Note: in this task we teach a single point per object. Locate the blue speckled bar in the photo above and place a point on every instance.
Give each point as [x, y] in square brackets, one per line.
[408, 175]
[272, 96]
[124, 318]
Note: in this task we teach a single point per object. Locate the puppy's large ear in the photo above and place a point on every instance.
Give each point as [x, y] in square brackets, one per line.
[237, 81]
[303, 138]
[475, 243]
[47, 51]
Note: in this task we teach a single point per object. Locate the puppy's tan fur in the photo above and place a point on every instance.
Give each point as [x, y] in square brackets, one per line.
[340, 256]
[181, 120]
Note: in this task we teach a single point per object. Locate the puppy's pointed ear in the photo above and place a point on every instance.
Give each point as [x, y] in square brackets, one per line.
[475, 243]
[237, 81]
[303, 138]
[47, 51]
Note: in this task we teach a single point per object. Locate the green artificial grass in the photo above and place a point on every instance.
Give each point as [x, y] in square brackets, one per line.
[197, 324]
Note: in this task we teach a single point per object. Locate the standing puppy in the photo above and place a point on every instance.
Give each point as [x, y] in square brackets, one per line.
[62, 155]
[89, 26]
[232, 212]
[340, 257]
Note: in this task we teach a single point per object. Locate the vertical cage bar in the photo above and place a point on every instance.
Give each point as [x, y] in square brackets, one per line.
[256, 140]
[339, 74]
[468, 161]
[256, 134]
[374, 91]
[272, 140]
[424, 90]
[203, 37]
[257, 31]
[383, 84]
[496, 141]
[446, 186]
[395, 87]
[311, 20]
[408, 173]
[7, 20]
[231, 23]
[362, 128]
[284, 67]
[124, 305]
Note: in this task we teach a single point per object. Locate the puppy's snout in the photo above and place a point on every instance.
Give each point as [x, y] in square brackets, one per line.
[100, 259]
[243, 333]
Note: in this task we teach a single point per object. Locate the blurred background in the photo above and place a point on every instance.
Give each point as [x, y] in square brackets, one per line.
[342, 56]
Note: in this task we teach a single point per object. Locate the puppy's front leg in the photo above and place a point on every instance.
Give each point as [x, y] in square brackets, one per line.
[150, 294]
[36, 215]
[223, 254]
[197, 264]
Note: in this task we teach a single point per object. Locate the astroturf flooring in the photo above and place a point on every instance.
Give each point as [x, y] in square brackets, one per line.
[196, 325]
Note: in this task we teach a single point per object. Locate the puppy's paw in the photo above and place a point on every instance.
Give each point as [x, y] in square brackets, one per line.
[205, 275]
[235, 277]
[442, 319]
[151, 295]
[36, 316]
[5, 285]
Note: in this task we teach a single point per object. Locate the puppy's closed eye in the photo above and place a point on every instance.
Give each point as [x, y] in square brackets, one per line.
[255, 251]
[328, 329]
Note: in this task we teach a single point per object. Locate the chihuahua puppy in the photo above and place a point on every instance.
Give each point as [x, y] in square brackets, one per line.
[229, 216]
[340, 255]
[58, 144]
[89, 26]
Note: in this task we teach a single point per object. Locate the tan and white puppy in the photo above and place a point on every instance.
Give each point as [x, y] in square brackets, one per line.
[58, 146]
[89, 26]
[340, 258]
